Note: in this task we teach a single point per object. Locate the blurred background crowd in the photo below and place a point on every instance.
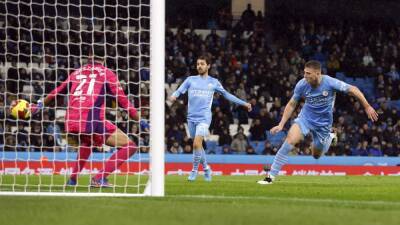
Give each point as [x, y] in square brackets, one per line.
[256, 57]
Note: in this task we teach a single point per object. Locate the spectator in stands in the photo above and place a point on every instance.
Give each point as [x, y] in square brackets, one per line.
[22, 137]
[187, 144]
[2, 134]
[134, 133]
[226, 149]
[144, 149]
[175, 133]
[375, 150]
[2, 109]
[390, 150]
[248, 17]
[239, 143]
[256, 109]
[50, 144]
[12, 79]
[54, 130]
[225, 139]
[250, 150]
[361, 149]
[187, 149]
[10, 141]
[393, 73]
[36, 137]
[175, 148]
[266, 119]
[269, 149]
[219, 123]
[257, 131]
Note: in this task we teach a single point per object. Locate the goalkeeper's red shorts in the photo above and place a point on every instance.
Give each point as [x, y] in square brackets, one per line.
[95, 132]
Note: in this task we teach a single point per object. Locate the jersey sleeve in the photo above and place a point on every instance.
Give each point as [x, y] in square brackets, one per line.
[298, 89]
[338, 85]
[220, 89]
[115, 88]
[183, 88]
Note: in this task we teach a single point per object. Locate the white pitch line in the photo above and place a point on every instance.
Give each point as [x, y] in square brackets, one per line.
[315, 200]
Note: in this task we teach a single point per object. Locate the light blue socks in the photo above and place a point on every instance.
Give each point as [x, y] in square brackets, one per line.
[281, 158]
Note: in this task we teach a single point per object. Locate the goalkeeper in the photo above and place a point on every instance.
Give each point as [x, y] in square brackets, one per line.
[86, 89]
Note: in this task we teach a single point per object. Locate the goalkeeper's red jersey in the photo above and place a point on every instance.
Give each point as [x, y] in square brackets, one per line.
[87, 89]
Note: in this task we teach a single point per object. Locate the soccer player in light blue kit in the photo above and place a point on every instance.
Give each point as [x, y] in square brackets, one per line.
[201, 90]
[316, 116]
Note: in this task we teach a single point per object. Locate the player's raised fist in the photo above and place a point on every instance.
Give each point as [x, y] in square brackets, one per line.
[248, 106]
[276, 129]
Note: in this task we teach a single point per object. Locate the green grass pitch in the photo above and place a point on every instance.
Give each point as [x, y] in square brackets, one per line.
[349, 200]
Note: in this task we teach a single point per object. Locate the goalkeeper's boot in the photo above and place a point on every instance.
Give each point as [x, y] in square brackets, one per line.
[269, 179]
[100, 183]
[207, 174]
[71, 182]
[192, 175]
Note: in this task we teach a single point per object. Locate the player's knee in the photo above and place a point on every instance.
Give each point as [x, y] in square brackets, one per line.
[291, 141]
[197, 145]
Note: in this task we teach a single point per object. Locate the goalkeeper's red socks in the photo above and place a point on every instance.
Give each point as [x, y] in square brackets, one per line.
[83, 155]
[117, 159]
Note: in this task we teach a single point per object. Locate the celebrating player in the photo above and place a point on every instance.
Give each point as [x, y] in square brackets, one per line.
[85, 117]
[315, 117]
[201, 90]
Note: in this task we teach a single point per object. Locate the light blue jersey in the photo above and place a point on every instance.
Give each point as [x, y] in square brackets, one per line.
[318, 108]
[201, 92]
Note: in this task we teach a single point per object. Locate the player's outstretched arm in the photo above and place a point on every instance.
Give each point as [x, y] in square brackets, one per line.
[287, 113]
[369, 110]
[36, 107]
[231, 97]
[181, 90]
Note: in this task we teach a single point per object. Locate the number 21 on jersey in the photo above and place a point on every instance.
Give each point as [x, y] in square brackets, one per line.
[82, 80]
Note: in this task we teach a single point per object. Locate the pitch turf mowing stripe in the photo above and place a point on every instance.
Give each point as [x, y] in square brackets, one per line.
[312, 200]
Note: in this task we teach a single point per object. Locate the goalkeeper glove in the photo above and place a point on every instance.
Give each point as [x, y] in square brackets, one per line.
[35, 108]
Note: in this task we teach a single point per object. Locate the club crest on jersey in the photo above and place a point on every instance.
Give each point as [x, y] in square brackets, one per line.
[210, 86]
[325, 93]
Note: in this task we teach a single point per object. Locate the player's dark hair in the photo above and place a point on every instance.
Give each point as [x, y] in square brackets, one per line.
[205, 58]
[313, 64]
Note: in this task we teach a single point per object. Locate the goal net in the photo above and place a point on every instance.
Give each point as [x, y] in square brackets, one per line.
[41, 43]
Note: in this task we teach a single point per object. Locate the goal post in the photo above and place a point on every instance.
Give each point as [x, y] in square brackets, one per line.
[43, 42]
[157, 97]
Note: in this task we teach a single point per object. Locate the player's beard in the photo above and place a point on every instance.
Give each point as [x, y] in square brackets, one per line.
[201, 72]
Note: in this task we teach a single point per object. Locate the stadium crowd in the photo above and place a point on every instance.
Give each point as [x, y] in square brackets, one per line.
[262, 63]
[257, 60]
